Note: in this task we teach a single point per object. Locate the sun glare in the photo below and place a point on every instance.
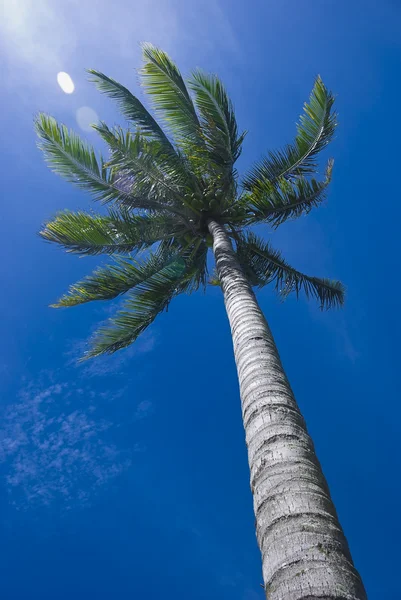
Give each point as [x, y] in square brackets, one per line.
[86, 116]
[65, 82]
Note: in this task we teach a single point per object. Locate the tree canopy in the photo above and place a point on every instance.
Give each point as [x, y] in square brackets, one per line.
[166, 175]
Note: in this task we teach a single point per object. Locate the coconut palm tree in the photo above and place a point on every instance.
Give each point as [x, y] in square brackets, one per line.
[172, 194]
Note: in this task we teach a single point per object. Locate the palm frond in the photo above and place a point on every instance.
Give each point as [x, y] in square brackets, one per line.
[275, 204]
[151, 172]
[144, 304]
[218, 122]
[194, 249]
[314, 131]
[131, 108]
[264, 265]
[163, 82]
[118, 232]
[197, 253]
[112, 280]
[75, 160]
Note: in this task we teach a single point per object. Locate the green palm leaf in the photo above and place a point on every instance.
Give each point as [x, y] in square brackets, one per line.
[264, 265]
[163, 82]
[145, 303]
[118, 278]
[275, 204]
[131, 107]
[76, 161]
[314, 131]
[218, 122]
[151, 172]
[118, 232]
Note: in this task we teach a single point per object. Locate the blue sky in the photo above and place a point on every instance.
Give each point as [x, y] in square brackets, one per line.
[127, 477]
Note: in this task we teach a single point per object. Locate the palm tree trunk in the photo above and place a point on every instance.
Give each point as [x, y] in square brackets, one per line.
[305, 555]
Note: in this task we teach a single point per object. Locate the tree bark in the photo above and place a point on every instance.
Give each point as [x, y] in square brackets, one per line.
[305, 555]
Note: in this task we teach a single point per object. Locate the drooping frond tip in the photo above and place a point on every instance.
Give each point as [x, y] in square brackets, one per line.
[153, 290]
[139, 311]
[265, 265]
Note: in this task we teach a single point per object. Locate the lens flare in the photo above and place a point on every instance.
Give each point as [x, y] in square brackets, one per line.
[65, 82]
[86, 116]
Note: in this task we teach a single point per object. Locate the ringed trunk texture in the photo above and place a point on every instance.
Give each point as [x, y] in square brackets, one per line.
[305, 555]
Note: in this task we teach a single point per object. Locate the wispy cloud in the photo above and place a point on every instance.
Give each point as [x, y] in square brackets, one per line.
[54, 447]
[144, 409]
[337, 324]
[346, 345]
[114, 364]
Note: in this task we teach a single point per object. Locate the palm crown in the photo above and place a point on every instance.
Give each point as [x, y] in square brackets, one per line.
[162, 186]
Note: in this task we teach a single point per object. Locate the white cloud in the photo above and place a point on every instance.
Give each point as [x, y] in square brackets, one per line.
[55, 448]
[144, 409]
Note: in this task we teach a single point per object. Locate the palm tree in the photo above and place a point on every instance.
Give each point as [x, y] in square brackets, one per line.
[171, 195]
